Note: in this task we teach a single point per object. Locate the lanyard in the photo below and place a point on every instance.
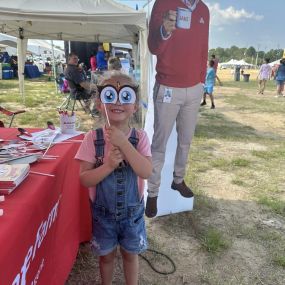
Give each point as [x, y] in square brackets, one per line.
[189, 5]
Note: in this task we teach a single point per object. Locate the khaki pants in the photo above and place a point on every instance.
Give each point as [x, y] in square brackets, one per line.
[183, 109]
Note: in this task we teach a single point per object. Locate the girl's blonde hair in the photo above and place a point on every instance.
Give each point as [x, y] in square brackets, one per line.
[103, 80]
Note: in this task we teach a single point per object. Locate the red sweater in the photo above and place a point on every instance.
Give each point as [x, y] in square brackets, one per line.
[181, 59]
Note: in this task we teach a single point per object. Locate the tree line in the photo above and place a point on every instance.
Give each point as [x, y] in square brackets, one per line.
[250, 54]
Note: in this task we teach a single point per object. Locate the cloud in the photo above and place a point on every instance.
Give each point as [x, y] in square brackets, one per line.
[229, 15]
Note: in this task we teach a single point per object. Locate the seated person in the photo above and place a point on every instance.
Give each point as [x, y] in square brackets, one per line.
[79, 87]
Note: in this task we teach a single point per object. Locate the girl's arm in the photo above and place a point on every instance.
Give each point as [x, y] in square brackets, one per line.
[141, 165]
[90, 176]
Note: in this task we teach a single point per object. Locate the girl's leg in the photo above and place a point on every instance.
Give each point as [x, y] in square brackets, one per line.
[131, 267]
[106, 264]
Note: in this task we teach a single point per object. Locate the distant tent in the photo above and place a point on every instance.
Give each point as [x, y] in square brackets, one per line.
[234, 62]
[276, 62]
[36, 47]
[243, 63]
[228, 64]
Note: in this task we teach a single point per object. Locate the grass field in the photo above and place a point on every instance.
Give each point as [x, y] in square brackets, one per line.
[235, 234]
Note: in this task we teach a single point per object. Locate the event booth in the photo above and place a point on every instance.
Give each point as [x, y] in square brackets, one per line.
[48, 253]
[82, 20]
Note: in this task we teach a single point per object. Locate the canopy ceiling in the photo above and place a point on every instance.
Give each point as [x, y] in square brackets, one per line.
[76, 20]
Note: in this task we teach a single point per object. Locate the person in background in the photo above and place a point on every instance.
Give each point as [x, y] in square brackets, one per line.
[93, 62]
[6, 57]
[216, 61]
[101, 59]
[80, 87]
[263, 75]
[76, 77]
[181, 70]
[209, 84]
[114, 63]
[14, 65]
[280, 78]
[114, 160]
[130, 59]
[59, 68]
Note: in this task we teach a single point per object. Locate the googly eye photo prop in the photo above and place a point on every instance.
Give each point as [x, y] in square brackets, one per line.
[109, 95]
[127, 95]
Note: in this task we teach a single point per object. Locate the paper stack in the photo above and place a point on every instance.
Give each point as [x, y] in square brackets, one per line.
[11, 176]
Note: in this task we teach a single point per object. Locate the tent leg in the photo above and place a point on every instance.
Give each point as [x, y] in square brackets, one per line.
[21, 53]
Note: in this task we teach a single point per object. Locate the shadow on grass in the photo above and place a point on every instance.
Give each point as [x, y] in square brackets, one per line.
[217, 126]
[252, 84]
[256, 104]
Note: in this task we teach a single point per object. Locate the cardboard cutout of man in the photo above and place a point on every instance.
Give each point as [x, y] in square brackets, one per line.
[178, 36]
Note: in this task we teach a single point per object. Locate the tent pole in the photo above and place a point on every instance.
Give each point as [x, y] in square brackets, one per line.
[21, 53]
[54, 67]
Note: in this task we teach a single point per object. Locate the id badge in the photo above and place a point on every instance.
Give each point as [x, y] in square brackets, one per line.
[167, 95]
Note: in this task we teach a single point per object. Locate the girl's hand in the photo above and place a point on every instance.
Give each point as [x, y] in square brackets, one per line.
[115, 136]
[114, 157]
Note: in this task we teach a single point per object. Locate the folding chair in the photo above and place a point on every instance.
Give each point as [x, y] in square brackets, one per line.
[72, 99]
[10, 114]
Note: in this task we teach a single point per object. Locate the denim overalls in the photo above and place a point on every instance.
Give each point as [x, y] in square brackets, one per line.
[118, 213]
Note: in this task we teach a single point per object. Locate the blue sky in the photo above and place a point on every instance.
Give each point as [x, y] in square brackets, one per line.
[244, 23]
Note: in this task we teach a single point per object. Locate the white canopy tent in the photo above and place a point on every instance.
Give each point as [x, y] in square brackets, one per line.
[243, 63]
[80, 20]
[229, 63]
[276, 62]
[235, 62]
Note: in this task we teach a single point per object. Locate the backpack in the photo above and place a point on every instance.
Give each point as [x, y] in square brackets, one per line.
[99, 144]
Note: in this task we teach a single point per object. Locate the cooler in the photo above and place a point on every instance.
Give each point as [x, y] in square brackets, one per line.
[7, 74]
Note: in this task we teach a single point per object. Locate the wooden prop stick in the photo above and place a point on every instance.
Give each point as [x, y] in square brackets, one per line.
[41, 173]
[47, 148]
[108, 121]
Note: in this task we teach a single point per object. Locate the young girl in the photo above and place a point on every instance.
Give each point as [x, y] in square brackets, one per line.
[116, 159]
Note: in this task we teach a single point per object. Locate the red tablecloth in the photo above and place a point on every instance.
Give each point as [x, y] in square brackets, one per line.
[45, 219]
